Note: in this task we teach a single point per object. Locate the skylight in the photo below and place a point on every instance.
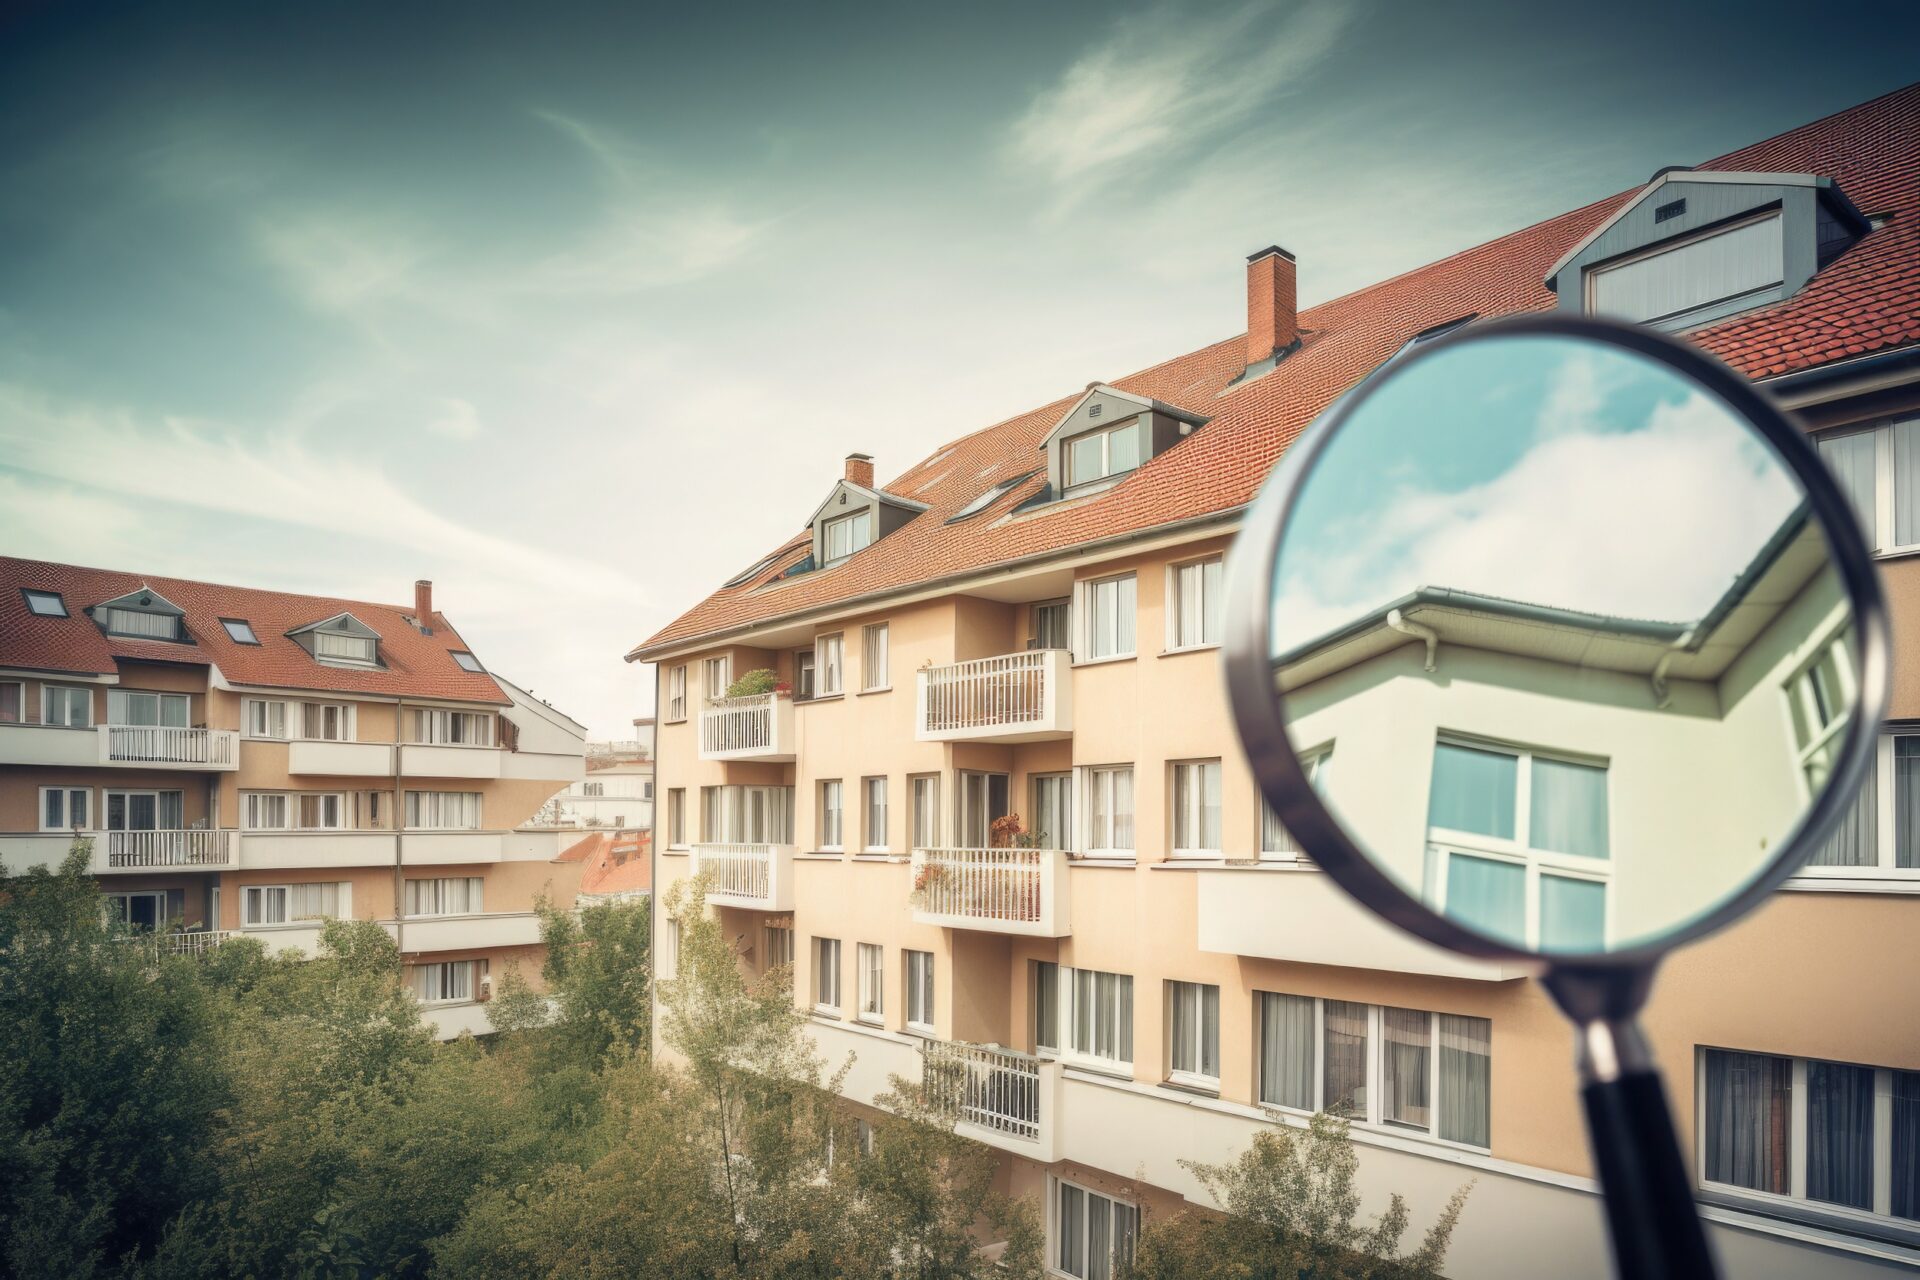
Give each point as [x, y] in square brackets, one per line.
[467, 661]
[239, 630]
[47, 604]
[759, 567]
[987, 499]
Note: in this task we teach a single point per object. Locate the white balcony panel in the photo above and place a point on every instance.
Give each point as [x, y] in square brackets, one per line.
[268, 850]
[544, 766]
[470, 932]
[1302, 915]
[156, 746]
[450, 1020]
[419, 760]
[341, 759]
[1020, 891]
[133, 851]
[1001, 1097]
[539, 844]
[48, 744]
[756, 727]
[757, 877]
[877, 1055]
[303, 937]
[1016, 697]
[444, 848]
[24, 850]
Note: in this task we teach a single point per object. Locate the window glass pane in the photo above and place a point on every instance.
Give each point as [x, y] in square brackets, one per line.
[1346, 1059]
[1749, 1120]
[1286, 1051]
[1569, 810]
[1855, 839]
[1466, 1077]
[1573, 914]
[1906, 483]
[1473, 790]
[1083, 459]
[1906, 801]
[1487, 895]
[1840, 1134]
[1405, 1065]
[1099, 1238]
[1072, 1230]
[1046, 1005]
[1737, 261]
[1906, 1145]
[1123, 448]
[1851, 459]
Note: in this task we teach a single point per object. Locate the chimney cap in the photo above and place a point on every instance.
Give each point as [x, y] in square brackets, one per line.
[1269, 252]
[859, 457]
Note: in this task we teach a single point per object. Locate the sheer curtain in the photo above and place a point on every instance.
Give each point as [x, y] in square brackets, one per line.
[1346, 1059]
[1466, 1079]
[1906, 1145]
[1749, 1115]
[1906, 801]
[1840, 1134]
[1573, 914]
[1488, 895]
[1473, 790]
[1906, 497]
[1569, 812]
[1853, 841]
[1407, 1043]
[1851, 459]
[1286, 1050]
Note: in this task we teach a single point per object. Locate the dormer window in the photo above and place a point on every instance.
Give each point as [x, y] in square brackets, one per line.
[855, 515]
[1671, 281]
[1108, 434]
[340, 641]
[45, 604]
[343, 647]
[1108, 451]
[844, 535]
[141, 615]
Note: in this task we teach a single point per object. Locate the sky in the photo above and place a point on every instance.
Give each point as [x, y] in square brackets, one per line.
[576, 309]
[1533, 469]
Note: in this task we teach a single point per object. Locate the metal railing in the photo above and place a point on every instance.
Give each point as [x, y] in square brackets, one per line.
[739, 870]
[987, 692]
[729, 725]
[212, 848]
[994, 1088]
[158, 744]
[981, 884]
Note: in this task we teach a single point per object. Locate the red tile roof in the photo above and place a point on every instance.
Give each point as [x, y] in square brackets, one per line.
[1866, 301]
[417, 665]
[616, 862]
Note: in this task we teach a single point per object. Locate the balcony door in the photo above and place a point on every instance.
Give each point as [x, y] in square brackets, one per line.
[145, 810]
[141, 910]
[982, 801]
[149, 710]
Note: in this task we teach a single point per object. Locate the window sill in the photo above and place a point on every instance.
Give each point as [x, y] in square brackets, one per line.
[1840, 1228]
[818, 697]
[1191, 648]
[885, 688]
[870, 1020]
[920, 1029]
[820, 855]
[1206, 1088]
[1888, 881]
[879, 856]
[1095, 861]
[827, 1011]
[677, 850]
[1104, 662]
[1099, 1067]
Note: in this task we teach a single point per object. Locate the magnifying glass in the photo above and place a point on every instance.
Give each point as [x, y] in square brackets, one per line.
[1595, 650]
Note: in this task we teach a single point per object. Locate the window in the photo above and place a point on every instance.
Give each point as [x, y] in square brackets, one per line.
[676, 693]
[1046, 1006]
[1879, 470]
[1052, 810]
[1108, 610]
[1050, 625]
[872, 981]
[45, 604]
[327, 721]
[747, 815]
[467, 661]
[920, 990]
[1109, 807]
[1193, 1033]
[446, 896]
[826, 975]
[322, 812]
[677, 817]
[1099, 1010]
[829, 665]
[1819, 699]
[1194, 594]
[984, 500]
[434, 726]
[266, 718]
[1518, 845]
[444, 810]
[239, 630]
[344, 648]
[1093, 1234]
[372, 810]
[1401, 1068]
[1832, 1136]
[1107, 451]
[875, 802]
[145, 810]
[832, 827]
[445, 982]
[66, 808]
[926, 811]
[1673, 282]
[137, 707]
[290, 903]
[873, 658]
[803, 675]
[1276, 842]
[266, 811]
[142, 909]
[13, 701]
[983, 801]
[719, 675]
[141, 624]
[779, 940]
[1196, 809]
[62, 704]
[840, 538]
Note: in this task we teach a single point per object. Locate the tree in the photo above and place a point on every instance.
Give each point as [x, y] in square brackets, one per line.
[598, 973]
[1290, 1213]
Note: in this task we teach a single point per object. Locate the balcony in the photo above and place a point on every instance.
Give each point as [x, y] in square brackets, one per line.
[1017, 697]
[212, 850]
[755, 727]
[1296, 912]
[470, 932]
[340, 759]
[755, 877]
[1001, 1097]
[1021, 891]
[135, 746]
[439, 760]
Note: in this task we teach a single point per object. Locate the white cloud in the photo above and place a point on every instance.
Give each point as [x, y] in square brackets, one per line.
[457, 419]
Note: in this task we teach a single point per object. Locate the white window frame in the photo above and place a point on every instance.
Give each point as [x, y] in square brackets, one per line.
[1087, 1247]
[826, 976]
[875, 658]
[1591, 276]
[830, 665]
[128, 793]
[1186, 807]
[475, 972]
[1041, 810]
[778, 941]
[124, 898]
[1085, 617]
[872, 960]
[1883, 534]
[873, 841]
[451, 727]
[1099, 780]
[240, 631]
[1444, 843]
[833, 817]
[435, 892]
[676, 817]
[67, 695]
[119, 699]
[335, 648]
[1374, 1118]
[1885, 865]
[431, 804]
[918, 985]
[859, 535]
[1120, 1012]
[1196, 1048]
[1276, 842]
[257, 720]
[313, 717]
[1186, 578]
[924, 796]
[66, 795]
[1139, 426]
[718, 673]
[676, 693]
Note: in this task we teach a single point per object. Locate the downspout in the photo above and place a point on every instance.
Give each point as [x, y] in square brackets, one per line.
[399, 840]
[1432, 637]
[1662, 694]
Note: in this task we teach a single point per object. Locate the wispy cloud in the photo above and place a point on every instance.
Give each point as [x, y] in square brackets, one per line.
[458, 420]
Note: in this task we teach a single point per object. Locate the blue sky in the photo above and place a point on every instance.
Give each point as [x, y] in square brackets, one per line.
[576, 309]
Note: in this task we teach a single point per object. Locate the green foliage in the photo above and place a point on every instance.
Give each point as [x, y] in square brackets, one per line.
[758, 681]
[598, 967]
[1290, 1213]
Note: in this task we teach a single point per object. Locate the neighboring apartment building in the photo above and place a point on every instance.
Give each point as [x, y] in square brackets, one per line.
[617, 790]
[1027, 622]
[616, 866]
[246, 763]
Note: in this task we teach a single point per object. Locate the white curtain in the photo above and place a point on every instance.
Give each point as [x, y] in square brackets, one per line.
[1406, 1048]
[1346, 1059]
[1286, 1050]
[313, 901]
[1906, 801]
[1466, 1079]
[1854, 840]
[1473, 790]
[1569, 811]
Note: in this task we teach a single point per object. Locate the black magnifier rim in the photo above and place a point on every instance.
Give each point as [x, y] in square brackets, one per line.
[1259, 706]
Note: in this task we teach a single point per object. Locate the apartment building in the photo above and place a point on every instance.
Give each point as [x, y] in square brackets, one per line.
[1026, 623]
[617, 791]
[249, 763]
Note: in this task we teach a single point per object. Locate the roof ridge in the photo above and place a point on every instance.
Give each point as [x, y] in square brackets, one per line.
[202, 582]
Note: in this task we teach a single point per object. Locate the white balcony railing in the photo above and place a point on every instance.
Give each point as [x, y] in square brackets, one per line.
[1015, 697]
[755, 727]
[758, 877]
[983, 1086]
[996, 890]
[196, 942]
[159, 744]
[136, 850]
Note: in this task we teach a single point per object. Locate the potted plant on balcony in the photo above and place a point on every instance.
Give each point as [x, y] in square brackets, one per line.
[928, 878]
[754, 683]
[1021, 897]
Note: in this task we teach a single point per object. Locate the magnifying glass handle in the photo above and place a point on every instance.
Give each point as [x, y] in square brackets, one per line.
[1650, 1211]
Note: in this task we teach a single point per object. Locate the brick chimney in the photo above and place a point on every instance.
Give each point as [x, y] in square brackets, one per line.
[1273, 323]
[860, 469]
[423, 602]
